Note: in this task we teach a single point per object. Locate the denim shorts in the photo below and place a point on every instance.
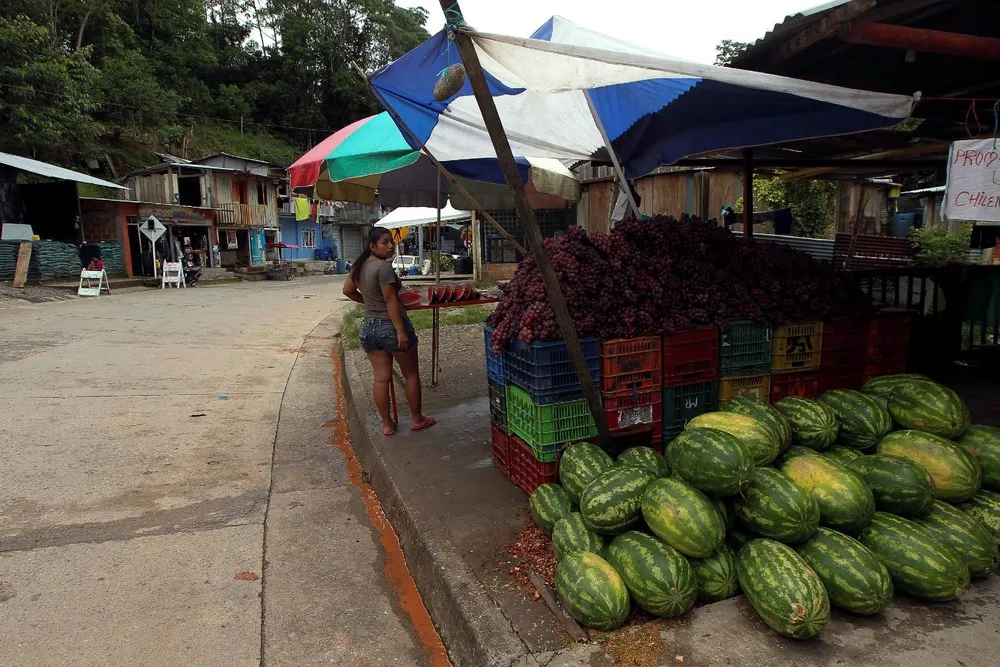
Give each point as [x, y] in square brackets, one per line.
[377, 334]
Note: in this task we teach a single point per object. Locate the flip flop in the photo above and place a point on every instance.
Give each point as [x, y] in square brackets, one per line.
[427, 423]
[386, 431]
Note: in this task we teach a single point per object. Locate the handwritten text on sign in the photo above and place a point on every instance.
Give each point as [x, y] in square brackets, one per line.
[973, 190]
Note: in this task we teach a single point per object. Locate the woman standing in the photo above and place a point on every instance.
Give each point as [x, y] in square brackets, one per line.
[386, 332]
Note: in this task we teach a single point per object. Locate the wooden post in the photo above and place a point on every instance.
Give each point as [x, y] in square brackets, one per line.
[533, 234]
[747, 194]
[21, 269]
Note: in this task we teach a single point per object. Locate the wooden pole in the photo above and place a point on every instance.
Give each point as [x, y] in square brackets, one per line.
[23, 260]
[505, 156]
[747, 194]
[440, 167]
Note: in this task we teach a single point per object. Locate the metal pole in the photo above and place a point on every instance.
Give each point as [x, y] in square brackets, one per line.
[615, 162]
[436, 313]
[494, 125]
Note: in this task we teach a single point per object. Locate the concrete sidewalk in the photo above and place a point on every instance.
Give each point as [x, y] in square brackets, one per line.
[456, 516]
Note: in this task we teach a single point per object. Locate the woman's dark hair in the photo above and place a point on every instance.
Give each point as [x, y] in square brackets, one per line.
[373, 236]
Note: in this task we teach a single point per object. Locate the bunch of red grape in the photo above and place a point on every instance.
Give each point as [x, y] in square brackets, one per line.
[660, 275]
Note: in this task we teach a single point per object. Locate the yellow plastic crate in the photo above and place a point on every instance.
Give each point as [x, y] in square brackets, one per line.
[758, 386]
[796, 347]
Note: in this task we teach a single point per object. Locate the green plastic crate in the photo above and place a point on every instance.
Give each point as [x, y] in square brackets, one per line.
[744, 348]
[546, 428]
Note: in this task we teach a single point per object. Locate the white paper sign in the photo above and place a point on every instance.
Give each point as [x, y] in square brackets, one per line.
[973, 188]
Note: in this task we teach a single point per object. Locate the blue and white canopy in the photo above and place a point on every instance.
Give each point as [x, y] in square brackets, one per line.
[552, 90]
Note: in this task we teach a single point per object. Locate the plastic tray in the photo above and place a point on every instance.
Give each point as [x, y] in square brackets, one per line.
[796, 347]
[631, 364]
[546, 428]
[684, 403]
[528, 472]
[494, 360]
[500, 441]
[889, 328]
[545, 372]
[498, 404]
[841, 377]
[758, 386]
[639, 409]
[690, 356]
[803, 383]
[744, 348]
[844, 342]
[872, 370]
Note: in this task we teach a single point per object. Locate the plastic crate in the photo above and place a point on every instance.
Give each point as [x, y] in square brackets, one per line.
[744, 348]
[758, 386]
[889, 328]
[498, 404]
[873, 370]
[690, 356]
[546, 428]
[844, 342]
[804, 384]
[528, 472]
[545, 372]
[631, 364]
[494, 360]
[630, 412]
[796, 347]
[841, 377]
[897, 352]
[501, 449]
[684, 403]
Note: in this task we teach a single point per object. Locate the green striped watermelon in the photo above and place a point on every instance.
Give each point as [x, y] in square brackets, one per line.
[919, 564]
[813, 425]
[716, 575]
[900, 486]
[611, 503]
[792, 452]
[970, 539]
[739, 534]
[845, 502]
[983, 442]
[884, 385]
[548, 504]
[592, 591]
[783, 589]
[758, 437]
[751, 406]
[579, 465]
[776, 507]
[683, 517]
[984, 507]
[659, 578]
[863, 420]
[644, 457]
[842, 455]
[571, 534]
[955, 472]
[931, 407]
[853, 576]
[711, 460]
[725, 509]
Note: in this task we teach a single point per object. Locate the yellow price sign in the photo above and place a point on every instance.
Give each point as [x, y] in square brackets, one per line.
[399, 234]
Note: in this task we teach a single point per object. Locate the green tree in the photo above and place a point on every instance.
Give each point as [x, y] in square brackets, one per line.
[936, 245]
[811, 202]
[727, 50]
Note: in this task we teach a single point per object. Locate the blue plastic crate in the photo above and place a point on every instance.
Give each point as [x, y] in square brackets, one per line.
[545, 372]
[494, 360]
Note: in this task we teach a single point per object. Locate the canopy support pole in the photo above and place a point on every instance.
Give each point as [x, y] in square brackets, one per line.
[436, 312]
[440, 167]
[533, 233]
[747, 194]
[615, 162]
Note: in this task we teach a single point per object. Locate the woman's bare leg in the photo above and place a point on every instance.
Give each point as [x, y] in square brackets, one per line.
[382, 368]
[410, 368]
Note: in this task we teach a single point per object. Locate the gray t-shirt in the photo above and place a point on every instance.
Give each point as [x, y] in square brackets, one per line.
[374, 274]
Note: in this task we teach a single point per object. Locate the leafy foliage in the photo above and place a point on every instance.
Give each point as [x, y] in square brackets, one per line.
[812, 203]
[727, 50]
[123, 77]
[935, 245]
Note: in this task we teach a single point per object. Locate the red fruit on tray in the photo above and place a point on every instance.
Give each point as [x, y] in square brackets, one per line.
[439, 295]
[409, 297]
[458, 294]
[431, 297]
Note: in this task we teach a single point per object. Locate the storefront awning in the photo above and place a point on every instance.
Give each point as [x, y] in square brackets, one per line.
[52, 171]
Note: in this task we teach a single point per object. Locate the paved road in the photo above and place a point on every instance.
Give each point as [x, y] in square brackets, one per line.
[158, 448]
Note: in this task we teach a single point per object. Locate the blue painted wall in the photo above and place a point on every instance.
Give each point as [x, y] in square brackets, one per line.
[291, 233]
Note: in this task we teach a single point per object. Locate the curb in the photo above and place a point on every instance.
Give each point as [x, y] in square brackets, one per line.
[472, 626]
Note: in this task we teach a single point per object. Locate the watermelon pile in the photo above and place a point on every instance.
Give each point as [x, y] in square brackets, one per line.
[801, 506]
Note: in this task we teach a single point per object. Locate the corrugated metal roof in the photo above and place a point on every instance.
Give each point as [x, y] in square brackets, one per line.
[925, 191]
[816, 248]
[792, 23]
[52, 171]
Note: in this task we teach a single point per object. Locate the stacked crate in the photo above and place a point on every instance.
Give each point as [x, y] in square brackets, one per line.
[888, 344]
[631, 381]
[497, 381]
[545, 407]
[844, 346]
[690, 370]
[796, 353]
[745, 360]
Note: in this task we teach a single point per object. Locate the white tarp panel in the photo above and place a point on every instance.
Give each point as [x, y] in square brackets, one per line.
[52, 171]
[417, 216]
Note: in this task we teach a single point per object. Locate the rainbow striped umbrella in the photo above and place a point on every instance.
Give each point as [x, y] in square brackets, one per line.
[370, 157]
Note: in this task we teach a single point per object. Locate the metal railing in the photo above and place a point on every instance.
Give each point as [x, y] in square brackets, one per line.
[246, 215]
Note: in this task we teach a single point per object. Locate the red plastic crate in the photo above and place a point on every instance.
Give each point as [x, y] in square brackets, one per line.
[631, 364]
[889, 328]
[844, 341]
[528, 472]
[872, 370]
[501, 449]
[804, 384]
[845, 377]
[690, 356]
[896, 352]
[629, 413]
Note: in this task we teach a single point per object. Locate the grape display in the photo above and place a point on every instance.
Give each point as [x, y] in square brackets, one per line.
[661, 275]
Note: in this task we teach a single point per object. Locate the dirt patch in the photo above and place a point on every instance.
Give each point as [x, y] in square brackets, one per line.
[532, 550]
[33, 293]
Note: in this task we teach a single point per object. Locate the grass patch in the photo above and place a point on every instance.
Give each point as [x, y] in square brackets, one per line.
[350, 329]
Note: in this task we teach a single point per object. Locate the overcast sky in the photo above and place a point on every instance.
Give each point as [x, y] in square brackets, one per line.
[683, 28]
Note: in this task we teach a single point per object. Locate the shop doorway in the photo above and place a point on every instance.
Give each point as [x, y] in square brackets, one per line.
[234, 247]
